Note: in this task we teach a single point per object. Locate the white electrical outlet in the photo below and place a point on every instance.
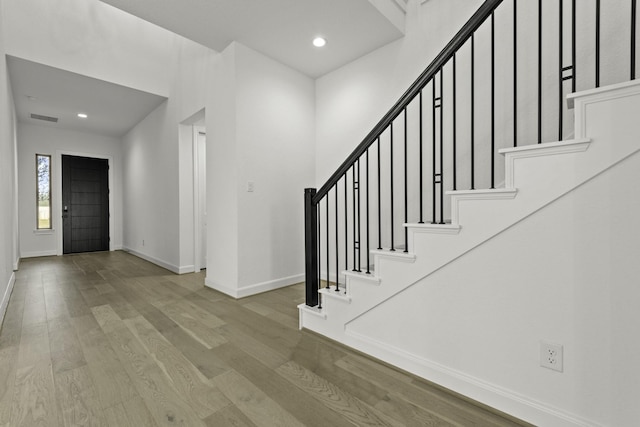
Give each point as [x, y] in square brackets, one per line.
[250, 186]
[551, 356]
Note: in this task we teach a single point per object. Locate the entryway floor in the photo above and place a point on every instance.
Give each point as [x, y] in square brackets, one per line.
[108, 339]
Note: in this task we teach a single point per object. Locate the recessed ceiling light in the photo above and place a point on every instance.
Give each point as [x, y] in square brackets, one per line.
[82, 115]
[319, 42]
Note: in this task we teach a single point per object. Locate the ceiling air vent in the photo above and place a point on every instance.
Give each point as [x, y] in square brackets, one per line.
[45, 118]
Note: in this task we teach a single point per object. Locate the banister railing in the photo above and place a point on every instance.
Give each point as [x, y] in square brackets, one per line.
[466, 86]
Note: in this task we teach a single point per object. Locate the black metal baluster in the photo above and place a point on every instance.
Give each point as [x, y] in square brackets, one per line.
[355, 241]
[433, 147]
[571, 68]
[441, 180]
[561, 80]
[597, 43]
[391, 178]
[453, 101]
[539, 71]
[420, 162]
[337, 241]
[473, 111]
[346, 225]
[359, 229]
[574, 75]
[357, 260]
[379, 201]
[328, 239]
[493, 101]
[319, 254]
[515, 73]
[633, 39]
[406, 196]
[438, 160]
[368, 218]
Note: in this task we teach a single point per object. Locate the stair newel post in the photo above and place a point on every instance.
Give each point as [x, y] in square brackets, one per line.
[311, 247]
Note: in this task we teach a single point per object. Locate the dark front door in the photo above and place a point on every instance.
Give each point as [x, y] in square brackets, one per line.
[85, 204]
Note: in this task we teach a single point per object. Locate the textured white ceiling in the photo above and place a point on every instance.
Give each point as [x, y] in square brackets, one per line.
[281, 29]
[112, 109]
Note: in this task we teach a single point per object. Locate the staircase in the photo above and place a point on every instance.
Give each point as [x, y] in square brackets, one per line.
[465, 299]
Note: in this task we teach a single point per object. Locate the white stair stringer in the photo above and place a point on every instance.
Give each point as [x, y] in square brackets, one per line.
[535, 176]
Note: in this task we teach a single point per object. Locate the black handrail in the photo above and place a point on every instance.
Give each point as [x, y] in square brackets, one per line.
[443, 57]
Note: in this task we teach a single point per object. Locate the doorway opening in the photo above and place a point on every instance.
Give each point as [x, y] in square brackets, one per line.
[200, 196]
[193, 140]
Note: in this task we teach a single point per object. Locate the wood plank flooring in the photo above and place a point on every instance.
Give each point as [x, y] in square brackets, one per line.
[108, 339]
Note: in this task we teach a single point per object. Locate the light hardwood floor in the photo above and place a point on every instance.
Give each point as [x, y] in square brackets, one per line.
[107, 339]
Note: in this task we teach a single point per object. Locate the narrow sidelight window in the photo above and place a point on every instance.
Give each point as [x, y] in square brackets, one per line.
[43, 201]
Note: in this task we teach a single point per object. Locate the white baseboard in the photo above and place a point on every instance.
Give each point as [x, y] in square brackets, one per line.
[254, 289]
[186, 269]
[16, 265]
[270, 285]
[38, 254]
[477, 389]
[227, 290]
[6, 296]
[157, 261]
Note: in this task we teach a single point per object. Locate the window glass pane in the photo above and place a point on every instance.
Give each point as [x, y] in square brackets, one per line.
[44, 190]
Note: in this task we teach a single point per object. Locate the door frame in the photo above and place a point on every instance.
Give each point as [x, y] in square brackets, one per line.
[56, 205]
[197, 203]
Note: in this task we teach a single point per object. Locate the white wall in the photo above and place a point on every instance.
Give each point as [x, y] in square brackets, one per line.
[567, 275]
[150, 174]
[275, 107]
[9, 245]
[34, 139]
[93, 39]
[158, 172]
[222, 175]
[352, 99]
[261, 131]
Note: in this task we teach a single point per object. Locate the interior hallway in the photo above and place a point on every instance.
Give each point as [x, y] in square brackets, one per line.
[108, 339]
